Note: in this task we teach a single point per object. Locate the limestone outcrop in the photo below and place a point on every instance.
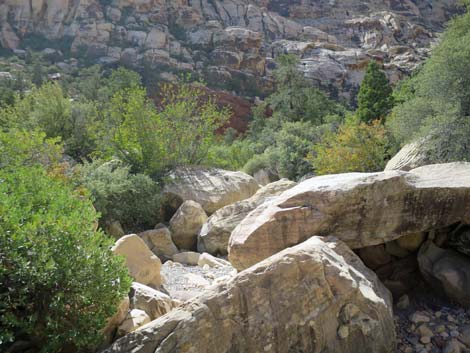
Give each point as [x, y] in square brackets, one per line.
[314, 297]
[360, 209]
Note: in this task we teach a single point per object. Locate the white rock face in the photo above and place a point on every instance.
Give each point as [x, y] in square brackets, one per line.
[144, 266]
[315, 297]
[360, 209]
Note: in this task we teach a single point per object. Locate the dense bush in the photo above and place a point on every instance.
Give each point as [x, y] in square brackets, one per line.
[131, 199]
[22, 148]
[180, 131]
[48, 109]
[436, 105]
[58, 279]
[355, 147]
[286, 155]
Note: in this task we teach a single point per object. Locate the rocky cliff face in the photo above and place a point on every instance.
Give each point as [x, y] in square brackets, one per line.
[235, 41]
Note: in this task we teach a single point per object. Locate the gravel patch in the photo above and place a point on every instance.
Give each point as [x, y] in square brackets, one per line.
[184, 282]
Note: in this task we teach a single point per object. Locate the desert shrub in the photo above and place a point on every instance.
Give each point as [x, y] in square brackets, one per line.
[28, 148]
[59, 280]
[180, 131]
[355, 147]
[118, 195]
[436, 106]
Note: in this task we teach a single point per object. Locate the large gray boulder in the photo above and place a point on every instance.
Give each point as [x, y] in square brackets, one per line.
[360, 209]
[315, 297]
[215, 233]
[211, 188]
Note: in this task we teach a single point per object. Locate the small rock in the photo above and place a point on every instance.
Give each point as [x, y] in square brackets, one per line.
[453, 346]
[212, 261]
[465, 336]
[425, 339]
[454, 333]
[425, 331]
[440, 329]
[135, 319]
[419, 317]
[343, 331]
[403, 302]
[187, 258]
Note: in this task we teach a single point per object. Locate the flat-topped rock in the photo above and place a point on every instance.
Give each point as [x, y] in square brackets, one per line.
[361, 209]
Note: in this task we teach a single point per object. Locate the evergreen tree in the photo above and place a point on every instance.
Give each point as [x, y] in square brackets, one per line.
[375, 95]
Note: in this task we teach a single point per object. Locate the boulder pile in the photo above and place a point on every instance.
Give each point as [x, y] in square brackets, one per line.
[320, 263]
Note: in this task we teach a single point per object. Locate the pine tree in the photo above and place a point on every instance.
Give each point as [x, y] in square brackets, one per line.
[375, 95]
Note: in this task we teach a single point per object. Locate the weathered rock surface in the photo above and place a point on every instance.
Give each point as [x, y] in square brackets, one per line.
[116, 320]
[215, 233]
[211, 261]
[187, 258]
[211, 188]
[315, 297]
[411, 156]
[152, 301]
[360, 209]
[160, 242]
[237, 39]
[186, 224]
[144, 266]
[447, 271]
[135, 318]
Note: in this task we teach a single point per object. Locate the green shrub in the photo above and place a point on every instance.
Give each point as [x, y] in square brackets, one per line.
[355, 147]
[287, 150]
[436, 106]
[59, 281]
[230, 156]
[180, 131]
[28, 148]
[131, 199]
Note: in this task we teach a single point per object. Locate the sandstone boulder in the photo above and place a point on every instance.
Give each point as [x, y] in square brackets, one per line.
[152, 301]
[208, 260]
[135, 319]
[411, 156]
[211, 188]
[360, 209]
[215, 233]
[186, 224]
[143, 265]
[160, 242]
[315, 297]
[446, 271]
